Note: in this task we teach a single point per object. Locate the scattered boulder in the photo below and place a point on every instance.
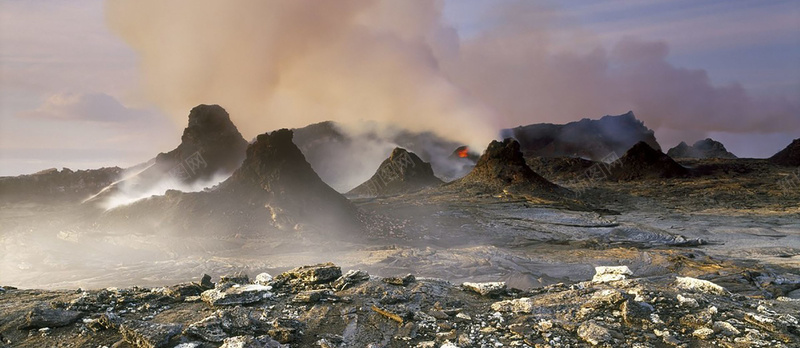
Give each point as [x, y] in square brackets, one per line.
[594, 333]
[402, 172]
[488, 289]
[707, 148]
[227, 323]
[143, 334]
[517, 305]
[352, 277]
[286, 330]
[605, 274]
[47, 317]
[263, 279]
[316, 274]
[402, 281]
[699, 285]
[789, 156]
[236, 295]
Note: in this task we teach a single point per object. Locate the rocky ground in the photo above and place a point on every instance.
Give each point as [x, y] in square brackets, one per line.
[320, 306]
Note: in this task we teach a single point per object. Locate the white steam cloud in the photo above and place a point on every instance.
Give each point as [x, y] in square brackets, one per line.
[290, 63]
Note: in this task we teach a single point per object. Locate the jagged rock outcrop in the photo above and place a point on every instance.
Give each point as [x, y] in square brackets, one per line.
[644, 162]
[402, 172]
[210, 145]
[707, 148]
[789, 156]
[502, 168]
[592, 139]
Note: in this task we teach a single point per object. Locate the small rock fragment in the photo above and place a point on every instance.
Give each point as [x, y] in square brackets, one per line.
[248, 341]
[235, 278]
[286, 330]
[703, 333]
[352, 277]
[400, 318]
[312, 296]
[687, 301]
[407, 279]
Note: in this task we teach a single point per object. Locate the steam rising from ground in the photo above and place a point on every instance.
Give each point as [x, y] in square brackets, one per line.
[128, 190]
[291, 63]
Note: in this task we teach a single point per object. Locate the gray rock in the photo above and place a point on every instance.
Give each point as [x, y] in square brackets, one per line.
[699, 285]
[403, 281]
[316, 274]
[703, 333]
[634, 313]
[286, 330]
[250, 342]
[206, 282]
[488, 289]
[263, 279]
[228, 322]
[235, 278]
[312, 296]
[605, 274]
[725, 328]
[352, 277]
[47, 317]
[517, 305]
[593, 333]
[142, 334]
[236, 295]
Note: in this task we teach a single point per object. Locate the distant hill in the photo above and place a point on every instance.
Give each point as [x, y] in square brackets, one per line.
[707, 148]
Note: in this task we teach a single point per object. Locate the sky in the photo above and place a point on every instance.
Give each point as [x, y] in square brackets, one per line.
[88, 83]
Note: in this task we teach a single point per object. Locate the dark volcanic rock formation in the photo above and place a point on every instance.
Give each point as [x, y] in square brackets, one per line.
[502, 167]
[707, 148]
[51, 184]
[790, 156]
[644, 162]
[274, 189]
[211, 144]
[592, 139]
[402, 172]
[276, 176]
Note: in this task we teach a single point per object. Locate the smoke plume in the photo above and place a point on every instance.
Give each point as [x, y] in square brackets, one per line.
[290, 63]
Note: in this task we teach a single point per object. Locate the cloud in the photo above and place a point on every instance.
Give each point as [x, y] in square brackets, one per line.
[88, 107]
[277, 63]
